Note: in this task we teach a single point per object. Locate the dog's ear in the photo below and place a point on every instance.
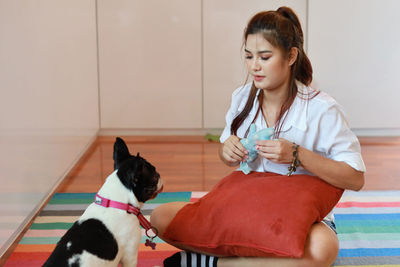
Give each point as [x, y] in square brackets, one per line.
[121, 152]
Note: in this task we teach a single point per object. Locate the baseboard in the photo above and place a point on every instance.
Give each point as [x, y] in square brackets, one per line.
[202, 131]
[156, 132]
[392, 132]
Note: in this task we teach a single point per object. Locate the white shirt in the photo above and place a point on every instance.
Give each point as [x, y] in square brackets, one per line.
[318, 124]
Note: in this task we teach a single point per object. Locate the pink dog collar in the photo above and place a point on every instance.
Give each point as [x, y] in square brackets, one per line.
[108, 203]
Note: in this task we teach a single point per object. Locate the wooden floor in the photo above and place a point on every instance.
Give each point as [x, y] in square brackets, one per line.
[191, 163]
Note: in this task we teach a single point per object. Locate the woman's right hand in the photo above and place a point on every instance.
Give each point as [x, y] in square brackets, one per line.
[233, 152]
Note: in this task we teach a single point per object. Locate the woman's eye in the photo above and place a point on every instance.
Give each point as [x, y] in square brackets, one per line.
[262, 58]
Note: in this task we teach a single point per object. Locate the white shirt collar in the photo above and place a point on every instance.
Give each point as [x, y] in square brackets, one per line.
[297, 113]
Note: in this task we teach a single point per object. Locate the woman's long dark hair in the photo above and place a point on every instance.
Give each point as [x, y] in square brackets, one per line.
[282, 29]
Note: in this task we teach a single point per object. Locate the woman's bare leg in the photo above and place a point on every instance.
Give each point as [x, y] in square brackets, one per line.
[162, 216]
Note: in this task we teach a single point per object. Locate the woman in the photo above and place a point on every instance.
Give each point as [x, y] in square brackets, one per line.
[305, 121]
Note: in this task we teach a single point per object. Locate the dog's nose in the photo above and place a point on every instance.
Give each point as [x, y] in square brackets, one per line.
[161, 189]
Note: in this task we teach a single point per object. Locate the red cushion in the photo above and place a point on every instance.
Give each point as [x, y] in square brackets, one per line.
[259, 214]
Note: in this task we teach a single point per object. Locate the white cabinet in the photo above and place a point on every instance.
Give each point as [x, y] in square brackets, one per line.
[355, 52]
[174, 64]
[150, 64]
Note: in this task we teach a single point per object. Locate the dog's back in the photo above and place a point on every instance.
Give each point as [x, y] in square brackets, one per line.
[90, 236]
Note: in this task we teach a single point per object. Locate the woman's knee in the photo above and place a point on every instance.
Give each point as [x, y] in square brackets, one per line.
[162, 216]
[322, 245]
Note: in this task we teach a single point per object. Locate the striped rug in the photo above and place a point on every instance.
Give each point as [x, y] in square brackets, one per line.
[368, 225]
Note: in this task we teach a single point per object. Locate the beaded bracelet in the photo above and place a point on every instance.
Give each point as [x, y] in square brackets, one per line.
[295, 162]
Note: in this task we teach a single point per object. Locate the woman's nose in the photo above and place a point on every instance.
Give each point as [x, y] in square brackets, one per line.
[255, 65]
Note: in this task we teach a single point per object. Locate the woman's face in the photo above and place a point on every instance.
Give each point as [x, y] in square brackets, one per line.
[266, 63]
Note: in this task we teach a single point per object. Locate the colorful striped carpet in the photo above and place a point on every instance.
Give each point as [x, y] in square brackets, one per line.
[368, 225]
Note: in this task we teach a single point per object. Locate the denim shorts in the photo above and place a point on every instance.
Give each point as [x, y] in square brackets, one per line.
[330, 224]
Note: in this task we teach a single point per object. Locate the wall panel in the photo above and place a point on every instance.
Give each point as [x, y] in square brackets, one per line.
[354, 48]
[150, 64]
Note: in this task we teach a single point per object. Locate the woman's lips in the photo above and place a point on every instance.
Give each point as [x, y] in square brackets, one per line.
[258, 78]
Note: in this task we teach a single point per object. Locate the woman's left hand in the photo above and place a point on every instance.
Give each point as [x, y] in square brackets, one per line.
[278, 150]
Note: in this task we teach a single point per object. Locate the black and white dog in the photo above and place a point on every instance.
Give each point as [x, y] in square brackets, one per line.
[108, 233]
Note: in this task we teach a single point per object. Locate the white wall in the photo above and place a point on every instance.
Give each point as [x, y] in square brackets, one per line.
[354, 48]
[49, 100]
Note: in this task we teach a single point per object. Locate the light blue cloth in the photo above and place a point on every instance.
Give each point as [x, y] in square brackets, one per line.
[250, 144]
